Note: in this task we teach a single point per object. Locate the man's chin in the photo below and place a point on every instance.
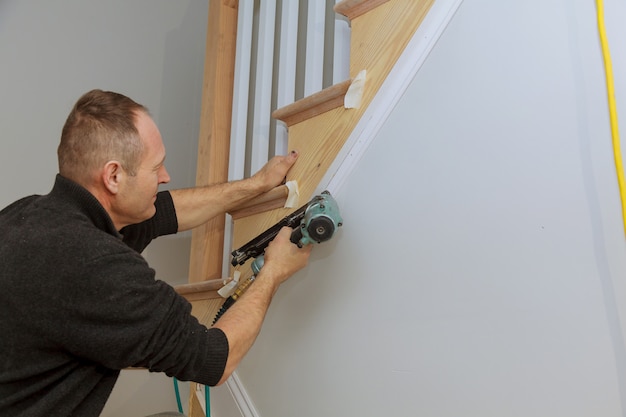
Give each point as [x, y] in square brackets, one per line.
[149, 213]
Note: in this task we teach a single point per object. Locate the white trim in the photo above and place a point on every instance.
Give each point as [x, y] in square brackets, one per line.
[414, 55]
[286, 88]
[241, 94]
[341, 51]
[241, 397]
[237, 391]
[263, 86]
[314, 72]
[239, 118]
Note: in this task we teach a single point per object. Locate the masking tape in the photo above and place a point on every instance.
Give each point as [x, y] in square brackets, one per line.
[293, 195]
[229, 288]
[352, 99]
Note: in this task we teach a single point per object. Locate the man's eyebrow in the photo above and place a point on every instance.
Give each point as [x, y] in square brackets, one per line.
[161, 162]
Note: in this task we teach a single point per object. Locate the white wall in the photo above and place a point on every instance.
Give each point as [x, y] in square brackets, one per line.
[51, 52]
[481, 269]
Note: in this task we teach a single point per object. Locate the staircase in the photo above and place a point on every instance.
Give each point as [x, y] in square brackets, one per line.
[319, 127]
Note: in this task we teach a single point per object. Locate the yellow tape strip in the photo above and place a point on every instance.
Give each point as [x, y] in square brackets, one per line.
[612, 108]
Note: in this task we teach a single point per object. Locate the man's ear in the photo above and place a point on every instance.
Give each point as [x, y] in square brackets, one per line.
[112, 175]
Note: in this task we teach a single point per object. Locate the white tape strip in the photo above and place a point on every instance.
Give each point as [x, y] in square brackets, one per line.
[352, 99]
[230, 287]
[293, 196]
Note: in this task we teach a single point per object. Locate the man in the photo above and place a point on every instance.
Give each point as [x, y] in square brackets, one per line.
[78, 303]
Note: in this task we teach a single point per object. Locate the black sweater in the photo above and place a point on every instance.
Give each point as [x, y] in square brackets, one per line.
[78, 303]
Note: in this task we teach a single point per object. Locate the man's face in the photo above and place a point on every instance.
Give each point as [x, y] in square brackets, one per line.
[138, 193]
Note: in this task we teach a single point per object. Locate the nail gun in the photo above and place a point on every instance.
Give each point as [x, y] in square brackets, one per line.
[314, 222]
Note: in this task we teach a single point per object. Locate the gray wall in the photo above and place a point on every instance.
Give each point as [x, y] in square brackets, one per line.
[51, 52]
[481, 269]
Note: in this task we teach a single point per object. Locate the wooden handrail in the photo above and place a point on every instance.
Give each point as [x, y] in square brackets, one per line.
[318, 103]
[355, 8]
[200, 290]
[272, 199]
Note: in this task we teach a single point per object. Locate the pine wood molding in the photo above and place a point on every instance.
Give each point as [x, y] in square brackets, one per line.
[355, 8]
[207, 242]
[309, 107]
[204, 290]
[273, 199]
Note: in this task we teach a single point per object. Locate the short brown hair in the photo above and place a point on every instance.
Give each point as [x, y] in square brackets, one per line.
[100, 128]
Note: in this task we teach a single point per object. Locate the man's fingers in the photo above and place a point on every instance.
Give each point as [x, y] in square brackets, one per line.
[285, 231]
[293, 155]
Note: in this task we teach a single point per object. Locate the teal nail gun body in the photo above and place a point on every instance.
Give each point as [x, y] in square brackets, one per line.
[315, 222]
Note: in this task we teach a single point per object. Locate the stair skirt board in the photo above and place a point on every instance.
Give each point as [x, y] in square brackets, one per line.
[403, 72]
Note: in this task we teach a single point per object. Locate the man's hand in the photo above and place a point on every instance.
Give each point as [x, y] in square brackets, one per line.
[242, 322]
[274, 172]
[195, 206]
[283, 258]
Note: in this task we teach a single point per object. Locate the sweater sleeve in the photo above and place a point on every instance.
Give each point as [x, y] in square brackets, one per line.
[164, 222]
[122, 317]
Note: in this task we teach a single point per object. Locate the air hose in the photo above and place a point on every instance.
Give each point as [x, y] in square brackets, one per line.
[256, 267]
[207, 399]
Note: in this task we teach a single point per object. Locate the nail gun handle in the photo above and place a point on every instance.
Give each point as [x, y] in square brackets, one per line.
[296, 235]
[257, 246]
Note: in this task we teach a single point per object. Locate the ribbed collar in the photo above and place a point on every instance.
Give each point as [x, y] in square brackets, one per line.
[82, 200]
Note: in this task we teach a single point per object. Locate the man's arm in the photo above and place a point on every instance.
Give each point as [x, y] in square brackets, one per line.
[195, 206]
[242, 321]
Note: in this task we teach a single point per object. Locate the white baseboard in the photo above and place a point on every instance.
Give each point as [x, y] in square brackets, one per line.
[240, 397]
[238, 391]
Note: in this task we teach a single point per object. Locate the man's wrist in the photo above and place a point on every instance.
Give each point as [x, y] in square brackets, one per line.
[268, 278]
[257, 185]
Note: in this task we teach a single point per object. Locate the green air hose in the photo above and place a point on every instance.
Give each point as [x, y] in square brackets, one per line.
[207, 399]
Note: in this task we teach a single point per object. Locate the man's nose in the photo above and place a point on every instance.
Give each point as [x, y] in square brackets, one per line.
[164, 176]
